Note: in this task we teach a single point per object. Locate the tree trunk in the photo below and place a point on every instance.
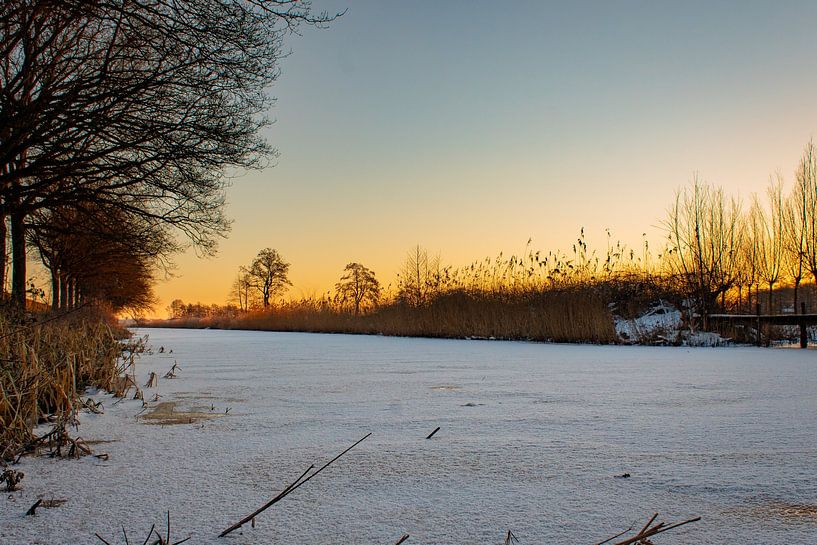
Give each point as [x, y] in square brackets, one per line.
[3, 235]
[63, 292]
[771, 284]
[18, 255]
[55, 289]
[740, 299]
[796, 290]
[749, 299]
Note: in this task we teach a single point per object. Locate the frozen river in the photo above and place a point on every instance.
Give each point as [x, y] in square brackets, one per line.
[532, 438]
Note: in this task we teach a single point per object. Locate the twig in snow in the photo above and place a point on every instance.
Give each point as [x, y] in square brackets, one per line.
[649, 530]
[93, 406]
[163, 540]
[289, 489]
[279, 497]
[609, 539]
[430, 435]
[33, 509]
[402, 539]
[172, 372]
[150, 533]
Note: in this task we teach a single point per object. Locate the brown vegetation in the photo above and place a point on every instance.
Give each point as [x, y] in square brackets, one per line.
[44, 369]
[564, 316]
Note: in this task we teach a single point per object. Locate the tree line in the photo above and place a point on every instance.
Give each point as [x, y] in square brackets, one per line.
[720, 254]
[725, 253]
[119, 124]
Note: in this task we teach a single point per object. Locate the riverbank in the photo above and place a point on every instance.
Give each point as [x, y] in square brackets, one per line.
[557, 316]
[46, 362]
[660, 325]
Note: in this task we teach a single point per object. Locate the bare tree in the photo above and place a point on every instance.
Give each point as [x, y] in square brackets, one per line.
[799, 217]
[176, 309]
[242, 289]
[747, 268]
[419, 278]
[358, 287]
[268, 274]
[805, 194]
[767, 233]
[141, 104]
[100, 254]
[705, 241]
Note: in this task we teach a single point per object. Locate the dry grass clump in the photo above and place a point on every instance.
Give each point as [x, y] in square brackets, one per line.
[45, 366]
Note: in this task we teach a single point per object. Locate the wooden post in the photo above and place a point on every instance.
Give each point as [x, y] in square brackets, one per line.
[803, 336]
[757, 312]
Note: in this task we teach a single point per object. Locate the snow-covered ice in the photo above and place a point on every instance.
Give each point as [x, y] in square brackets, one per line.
[532, 437]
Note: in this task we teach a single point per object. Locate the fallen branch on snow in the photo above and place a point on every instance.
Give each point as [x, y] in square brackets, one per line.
[642, 537]
[288, 490]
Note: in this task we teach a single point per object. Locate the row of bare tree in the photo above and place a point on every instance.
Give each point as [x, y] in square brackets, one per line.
[120, 121]
[718, 247]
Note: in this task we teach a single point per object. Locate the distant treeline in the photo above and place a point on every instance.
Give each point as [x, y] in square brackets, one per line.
[720, 255]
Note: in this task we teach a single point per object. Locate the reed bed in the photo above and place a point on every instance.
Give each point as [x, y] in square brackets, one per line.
[44, 368]
[569, 315]
[553, 296]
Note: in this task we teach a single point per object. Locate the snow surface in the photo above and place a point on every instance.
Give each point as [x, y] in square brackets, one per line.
[663, 325]
[532, 437]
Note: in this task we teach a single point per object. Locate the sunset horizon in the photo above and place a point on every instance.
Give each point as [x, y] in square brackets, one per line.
[493, 128]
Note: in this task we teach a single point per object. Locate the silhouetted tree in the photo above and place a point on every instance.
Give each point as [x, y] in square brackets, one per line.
[419, 278]
[767, 233]
[358, 287]
[241, 291]
[100, 253]
[268, 274]
[140, 104]
[799, 217]
[806, 196]
[705, 239]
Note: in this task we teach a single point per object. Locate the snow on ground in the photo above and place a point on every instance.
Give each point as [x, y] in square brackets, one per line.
[663, 324]
[532, 437]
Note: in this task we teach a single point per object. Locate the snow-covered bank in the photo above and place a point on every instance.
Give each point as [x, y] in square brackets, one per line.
[531, 438]
[663, 324]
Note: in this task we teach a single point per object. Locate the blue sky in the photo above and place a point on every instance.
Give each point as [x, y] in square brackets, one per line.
[468, 127]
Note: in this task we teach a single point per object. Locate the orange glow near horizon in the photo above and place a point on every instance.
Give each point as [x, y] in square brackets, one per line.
[471, 133]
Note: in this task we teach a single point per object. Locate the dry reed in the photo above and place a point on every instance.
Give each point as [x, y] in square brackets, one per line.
[564, 315]
[44, 367]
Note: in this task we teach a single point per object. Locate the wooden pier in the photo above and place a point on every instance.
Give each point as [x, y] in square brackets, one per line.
[759, 320]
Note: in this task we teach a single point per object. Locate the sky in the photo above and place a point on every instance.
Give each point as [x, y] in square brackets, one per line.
[469, 127]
